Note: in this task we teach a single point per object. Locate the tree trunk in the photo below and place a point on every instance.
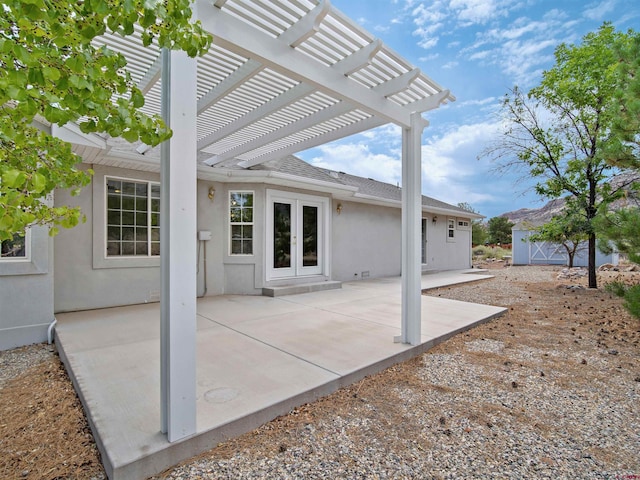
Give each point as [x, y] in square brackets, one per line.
[593, 281]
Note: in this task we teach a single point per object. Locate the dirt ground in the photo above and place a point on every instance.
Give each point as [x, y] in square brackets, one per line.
[44, 434]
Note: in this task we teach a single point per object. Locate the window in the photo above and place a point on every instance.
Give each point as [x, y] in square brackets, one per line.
[16, 249]
[133, 218]
[451, 230]
[463, 224]
[424, 241]
[241, 222]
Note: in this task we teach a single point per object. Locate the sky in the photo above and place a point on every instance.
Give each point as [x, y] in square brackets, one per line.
[478, 49]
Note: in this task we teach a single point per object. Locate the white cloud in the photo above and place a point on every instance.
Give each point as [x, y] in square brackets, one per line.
[598, 11]
[357, 159]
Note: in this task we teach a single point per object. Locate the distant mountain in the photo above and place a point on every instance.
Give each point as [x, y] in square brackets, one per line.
[538, 216]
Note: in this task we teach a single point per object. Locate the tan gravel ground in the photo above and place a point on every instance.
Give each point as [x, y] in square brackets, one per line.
[550, 390]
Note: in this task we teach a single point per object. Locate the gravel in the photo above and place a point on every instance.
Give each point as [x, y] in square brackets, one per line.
[510, 399]
[537, 393]
[15, 362]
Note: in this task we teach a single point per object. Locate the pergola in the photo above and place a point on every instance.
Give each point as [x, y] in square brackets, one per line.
[282, 76]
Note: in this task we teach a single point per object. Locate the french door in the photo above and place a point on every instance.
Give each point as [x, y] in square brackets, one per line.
[296, 240]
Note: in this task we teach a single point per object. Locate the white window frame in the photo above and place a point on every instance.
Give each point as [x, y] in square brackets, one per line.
[463, 224]
[451, 230]
[231, 224]
[149, 183]
[27, 250]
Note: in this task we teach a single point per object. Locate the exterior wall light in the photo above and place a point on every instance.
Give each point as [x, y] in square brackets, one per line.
[339, 208]
[434, 219]
[211, 194]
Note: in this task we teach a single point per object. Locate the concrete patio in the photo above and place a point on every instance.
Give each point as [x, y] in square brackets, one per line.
[257, 358]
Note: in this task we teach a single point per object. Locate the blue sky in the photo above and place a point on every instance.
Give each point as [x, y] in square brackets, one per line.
[478, 49]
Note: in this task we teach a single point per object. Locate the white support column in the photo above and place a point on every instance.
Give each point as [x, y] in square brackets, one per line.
[178, 247]
[411, 229]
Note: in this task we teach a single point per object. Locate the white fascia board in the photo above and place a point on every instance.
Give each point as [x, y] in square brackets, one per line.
[370, 199]
[239, 37]
[71, 133]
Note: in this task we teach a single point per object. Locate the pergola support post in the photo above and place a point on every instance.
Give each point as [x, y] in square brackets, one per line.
[178, 222]
[411, 230]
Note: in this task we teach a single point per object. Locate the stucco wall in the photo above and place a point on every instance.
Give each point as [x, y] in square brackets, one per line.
[365, 238]
[26, 294]
[444, 253]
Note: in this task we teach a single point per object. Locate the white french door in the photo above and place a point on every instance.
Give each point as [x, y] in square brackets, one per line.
[296, 235]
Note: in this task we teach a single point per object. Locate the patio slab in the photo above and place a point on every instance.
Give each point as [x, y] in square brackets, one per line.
[257, 358]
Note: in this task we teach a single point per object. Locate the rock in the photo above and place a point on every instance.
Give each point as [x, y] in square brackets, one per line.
[613, 352]
[605, 267]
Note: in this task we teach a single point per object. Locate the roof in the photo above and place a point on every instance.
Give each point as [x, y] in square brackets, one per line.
[281, 77]
[366, 190]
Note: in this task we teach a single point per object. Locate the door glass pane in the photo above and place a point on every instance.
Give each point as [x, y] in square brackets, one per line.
[424, 240]
[309, 236]
[281, 235]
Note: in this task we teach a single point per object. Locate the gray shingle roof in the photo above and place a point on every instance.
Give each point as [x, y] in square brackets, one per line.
[366, 186]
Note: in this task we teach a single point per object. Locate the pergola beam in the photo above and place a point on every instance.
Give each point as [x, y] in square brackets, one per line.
[275, 104]
[306, 26]
[358, 59]
[338, 133]
[297, 126]
[236, 36]
[238, 77]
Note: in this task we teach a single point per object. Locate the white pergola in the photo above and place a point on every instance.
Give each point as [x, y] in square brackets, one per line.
[282, 76]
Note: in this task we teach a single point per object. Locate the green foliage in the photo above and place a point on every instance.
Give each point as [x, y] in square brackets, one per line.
[479, 232]
[620, 230]
[630, 293]
[483, 252]
[559, 132]
[616, 288]
[568, 230]
[499, 229]
[623, 145]
[52, 73]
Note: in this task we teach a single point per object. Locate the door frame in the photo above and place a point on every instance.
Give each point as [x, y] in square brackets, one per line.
[323, 237]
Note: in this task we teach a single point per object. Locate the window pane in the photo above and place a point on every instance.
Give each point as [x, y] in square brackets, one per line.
[141, 190]
[155, 234]
[113, 233]
[113, 201]
[128, 203]
[142, 248]
[113, 248]
[114, 186]
[113, 217]
[155, 219]
[155, 248]
[141, 204]
[14, 248]
[309, 236]
[235, 215]
[127, 233]
[247, 247]
[155, 205]
[128, 248]
[128, 188]
[236, 247]
[128, 218]
[141, 234]
[247, 215]
[141, 219]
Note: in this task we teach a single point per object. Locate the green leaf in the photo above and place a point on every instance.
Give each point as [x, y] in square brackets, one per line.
[13, 178]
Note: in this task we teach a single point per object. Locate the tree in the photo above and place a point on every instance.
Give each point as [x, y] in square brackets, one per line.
[569, 230]
[51, 73]
[559, 130]
[478, 229]
[500, 230]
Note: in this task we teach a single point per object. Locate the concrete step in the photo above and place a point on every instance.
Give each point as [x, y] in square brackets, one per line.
[300, 288]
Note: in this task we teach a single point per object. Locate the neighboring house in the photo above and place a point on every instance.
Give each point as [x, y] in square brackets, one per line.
[281, 222]
[525, 252]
